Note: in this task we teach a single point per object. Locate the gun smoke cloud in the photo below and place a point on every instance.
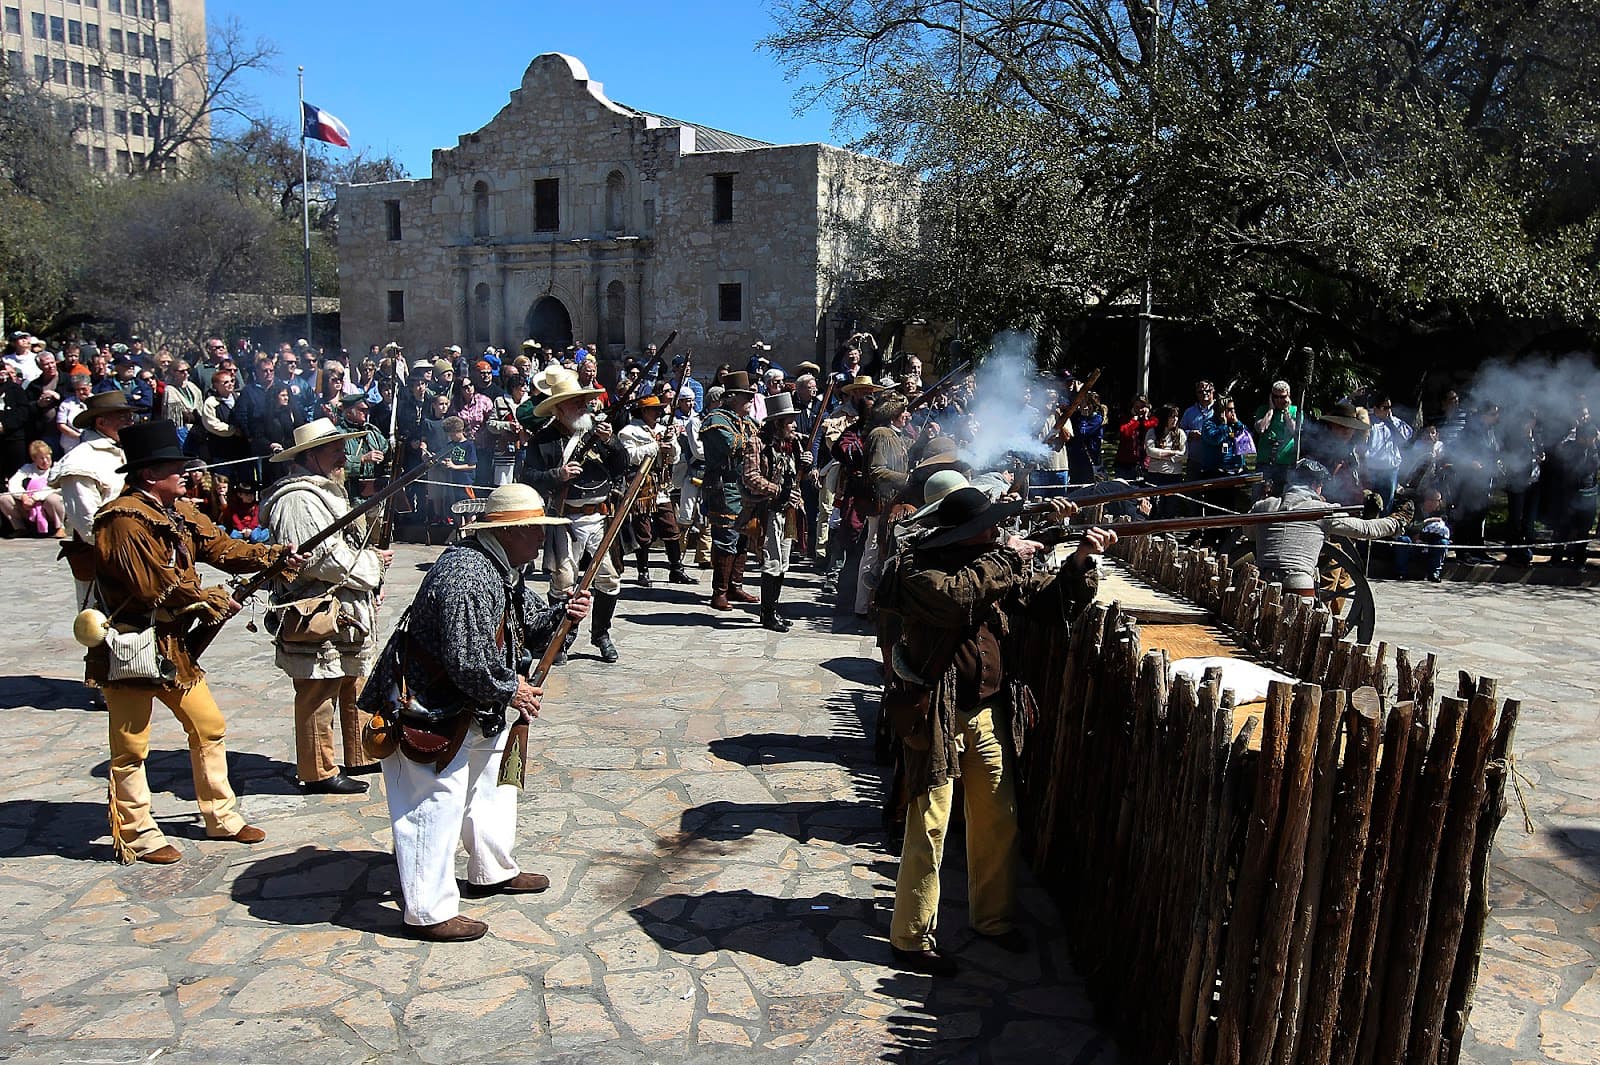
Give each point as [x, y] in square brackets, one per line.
[1002, 423]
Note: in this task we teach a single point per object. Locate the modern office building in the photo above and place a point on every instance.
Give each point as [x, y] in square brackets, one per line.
[124, 73]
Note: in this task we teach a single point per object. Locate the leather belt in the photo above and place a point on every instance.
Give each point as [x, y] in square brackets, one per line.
[583, 510]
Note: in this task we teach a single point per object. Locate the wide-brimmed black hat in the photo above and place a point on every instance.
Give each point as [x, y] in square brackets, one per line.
[151, 444]
[963, 513]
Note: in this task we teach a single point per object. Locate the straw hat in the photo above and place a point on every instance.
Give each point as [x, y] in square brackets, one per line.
[649, 402]
[513, 505]
[562, 385]
[313, 434]
[859, 387]
[1347, 415]
[937, 487]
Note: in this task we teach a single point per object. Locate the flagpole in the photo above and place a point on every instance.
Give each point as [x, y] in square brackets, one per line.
[305, 204]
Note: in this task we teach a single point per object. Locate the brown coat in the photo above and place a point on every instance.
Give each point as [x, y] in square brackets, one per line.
[958, 604]
[145, 571]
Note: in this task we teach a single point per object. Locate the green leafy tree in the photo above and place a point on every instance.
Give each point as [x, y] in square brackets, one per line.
[1348, 175]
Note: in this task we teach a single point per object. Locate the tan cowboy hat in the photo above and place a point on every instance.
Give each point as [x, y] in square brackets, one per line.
[99, 405]
[937, 487]
[512, 505]
[562, 384]
[1347, 415]
[314, 434]
[860, 386]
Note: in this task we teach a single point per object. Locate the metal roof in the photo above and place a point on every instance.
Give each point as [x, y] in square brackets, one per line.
[707, 139]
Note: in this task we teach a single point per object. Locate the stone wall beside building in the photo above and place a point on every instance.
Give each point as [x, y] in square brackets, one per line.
[571, 217]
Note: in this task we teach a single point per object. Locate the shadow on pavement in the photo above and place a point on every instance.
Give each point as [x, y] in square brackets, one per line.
[834, 821]
[32, 828]
[739, 618]
[310, 886]
[860, 670]
[44, 693]
[1583, 844]
[248, 772]
[776, 748]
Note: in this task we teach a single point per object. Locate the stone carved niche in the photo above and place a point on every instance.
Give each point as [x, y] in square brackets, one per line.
[480, 211]
[616, 202]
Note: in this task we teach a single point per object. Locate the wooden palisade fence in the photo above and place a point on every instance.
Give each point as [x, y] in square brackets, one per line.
[1315, 897]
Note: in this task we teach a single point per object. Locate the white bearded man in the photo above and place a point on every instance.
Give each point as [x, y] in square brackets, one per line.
[326, 664]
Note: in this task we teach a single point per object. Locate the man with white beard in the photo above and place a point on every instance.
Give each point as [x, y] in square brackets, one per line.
[576, 463]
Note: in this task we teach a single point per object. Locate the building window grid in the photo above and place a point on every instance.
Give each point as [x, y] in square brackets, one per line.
[547, 205]
[91, 34]
[391, 218]
[14, 61]
[58, 29]
[114, 39]
[41, 69]
[37, 20]
[79, 76]
[14, 20]
[74, 32]
[730, 302]
[58, 71]
[97, 118]
[101, 162]
[721, 198]
[96, 79]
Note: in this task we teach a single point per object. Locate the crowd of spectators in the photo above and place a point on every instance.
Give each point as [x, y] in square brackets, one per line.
[237, 406]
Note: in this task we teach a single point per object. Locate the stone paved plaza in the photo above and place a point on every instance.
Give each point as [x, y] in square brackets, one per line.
[708, 813]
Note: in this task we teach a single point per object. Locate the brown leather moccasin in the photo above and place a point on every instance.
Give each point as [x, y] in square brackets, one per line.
[457, 929]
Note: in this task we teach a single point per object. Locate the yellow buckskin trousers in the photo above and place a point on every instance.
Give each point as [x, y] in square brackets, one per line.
[133, 829]
[990, 804]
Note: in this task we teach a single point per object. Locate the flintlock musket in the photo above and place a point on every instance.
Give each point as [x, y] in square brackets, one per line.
[1137, 491]
[1060, 533]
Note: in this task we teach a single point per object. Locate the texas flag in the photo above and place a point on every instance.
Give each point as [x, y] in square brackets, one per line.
[322, 126]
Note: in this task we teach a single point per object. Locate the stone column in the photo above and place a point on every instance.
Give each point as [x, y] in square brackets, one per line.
[460, 304]
[502, 315]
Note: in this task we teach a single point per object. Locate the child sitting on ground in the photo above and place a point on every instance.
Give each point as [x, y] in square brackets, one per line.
[1430, 534]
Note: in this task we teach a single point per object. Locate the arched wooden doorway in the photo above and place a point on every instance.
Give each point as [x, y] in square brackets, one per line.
[549, 323]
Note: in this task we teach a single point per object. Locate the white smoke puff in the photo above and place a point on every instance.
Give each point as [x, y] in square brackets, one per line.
[1550, 388]
[1002, 424]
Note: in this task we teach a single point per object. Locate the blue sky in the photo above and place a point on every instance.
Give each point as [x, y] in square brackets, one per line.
[409, 77]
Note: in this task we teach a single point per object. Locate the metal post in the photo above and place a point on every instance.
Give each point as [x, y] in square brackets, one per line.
[305, 206]
[1141, 369]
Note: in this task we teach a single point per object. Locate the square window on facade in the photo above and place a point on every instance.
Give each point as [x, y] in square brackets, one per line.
[97, 118]
[14, 20]
[80, 116]
[100, 160]
[124, 161]
[91, 35]
[79, 78]
[135, 84]
[119, 121]
[138, 160]
[163, 10]
[547, 205]
[58, 29]
[166, 50]
[97, 80]
[391, 218]
[74, 31]
[114, 38]
[721, 198]
[58, 71]
[14, 61]
[114, 6]
[83, 154]
[119, 82]
[730, 303]
[136, 122]
[41, 69]
[149, 46]
[147, 9]
[37, 20]
[397, 306]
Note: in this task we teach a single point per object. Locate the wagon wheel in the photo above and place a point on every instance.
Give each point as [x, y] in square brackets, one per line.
[1342, 587]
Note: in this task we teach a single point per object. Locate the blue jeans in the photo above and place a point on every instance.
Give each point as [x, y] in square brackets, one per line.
[1431, 551]
[254, 536]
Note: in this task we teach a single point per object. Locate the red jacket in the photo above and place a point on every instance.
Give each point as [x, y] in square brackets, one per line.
[1130, 442]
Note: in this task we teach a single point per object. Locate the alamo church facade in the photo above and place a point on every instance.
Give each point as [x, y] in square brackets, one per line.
[569, 217]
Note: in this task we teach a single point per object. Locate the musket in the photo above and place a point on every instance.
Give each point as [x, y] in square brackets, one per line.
[1238, 480]
[822, 414]
[514, 765]
[384, 535]
[1065, 413]
[939, 385]
[201, 636]
[683, 379]
[1155, 526]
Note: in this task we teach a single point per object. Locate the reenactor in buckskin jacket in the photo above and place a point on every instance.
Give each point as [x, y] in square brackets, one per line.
[725, 435]
[146, 544]
[958, 589]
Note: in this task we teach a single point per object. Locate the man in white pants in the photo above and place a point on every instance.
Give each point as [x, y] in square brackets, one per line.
[450, 673]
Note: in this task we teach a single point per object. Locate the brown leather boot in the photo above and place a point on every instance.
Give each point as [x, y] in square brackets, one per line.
[721, 578]
[736, 592]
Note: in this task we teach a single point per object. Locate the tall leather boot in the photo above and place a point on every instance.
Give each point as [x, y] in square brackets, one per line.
[770, 586]
[605, 608]
[777, 597]
[642, 556]
[721, 578]
[736, 592]
[676, 573]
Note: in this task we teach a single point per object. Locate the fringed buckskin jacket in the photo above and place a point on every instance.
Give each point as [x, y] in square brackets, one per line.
[958, 604]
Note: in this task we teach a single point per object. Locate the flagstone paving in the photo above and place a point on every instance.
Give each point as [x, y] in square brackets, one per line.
[708, 814]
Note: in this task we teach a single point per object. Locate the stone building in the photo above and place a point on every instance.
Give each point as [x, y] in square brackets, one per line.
[570, 217]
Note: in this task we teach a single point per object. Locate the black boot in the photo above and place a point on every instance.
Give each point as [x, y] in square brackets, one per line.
[676, 573]
[642, 556]
[605, 607]
[769, 605]
[777, 597]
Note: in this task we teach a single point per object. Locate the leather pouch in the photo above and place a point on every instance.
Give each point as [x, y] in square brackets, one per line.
[909, 709]
[312, 620]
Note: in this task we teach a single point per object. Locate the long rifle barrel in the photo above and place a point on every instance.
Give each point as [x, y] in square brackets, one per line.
[939, 385]
[1238, 480]
[201, 636]
[1123, 529]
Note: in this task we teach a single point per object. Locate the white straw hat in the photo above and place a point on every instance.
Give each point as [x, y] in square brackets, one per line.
[314, 434]
[512, 505]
